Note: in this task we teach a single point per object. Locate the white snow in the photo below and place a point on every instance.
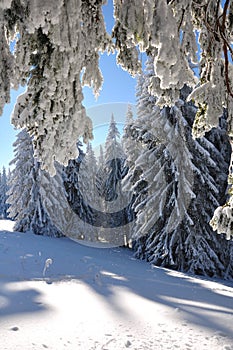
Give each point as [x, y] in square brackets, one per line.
[57, 294]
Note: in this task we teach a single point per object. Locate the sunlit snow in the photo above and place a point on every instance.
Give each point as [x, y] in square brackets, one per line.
[88, 298]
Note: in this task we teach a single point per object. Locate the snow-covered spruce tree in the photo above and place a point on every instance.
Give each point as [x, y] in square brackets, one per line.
[25, 191]
[166, 30]
[113, 202]
[132, 149]
[177, 184]
[136, 137]
[114, 163]
[115, 169]
[101, 174]
[71, 176]
[3, 194]
[87, 177]
[126, 140]
[82, 196]
[88, 190]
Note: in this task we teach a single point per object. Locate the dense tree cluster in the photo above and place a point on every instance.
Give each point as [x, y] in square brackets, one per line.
[94, 192]
[174, 184]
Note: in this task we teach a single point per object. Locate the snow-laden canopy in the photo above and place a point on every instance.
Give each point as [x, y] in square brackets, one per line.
[56, 42]
[57, 51]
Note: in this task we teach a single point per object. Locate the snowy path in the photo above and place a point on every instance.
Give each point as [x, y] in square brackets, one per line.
[104, 299]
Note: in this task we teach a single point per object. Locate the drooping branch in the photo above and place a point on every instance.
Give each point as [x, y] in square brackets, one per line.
[226, 46]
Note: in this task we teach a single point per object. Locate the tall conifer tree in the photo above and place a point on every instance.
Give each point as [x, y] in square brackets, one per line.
[179, 183]
[26, 191]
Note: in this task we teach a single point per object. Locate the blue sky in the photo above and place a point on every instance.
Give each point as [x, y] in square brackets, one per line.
[118, 90]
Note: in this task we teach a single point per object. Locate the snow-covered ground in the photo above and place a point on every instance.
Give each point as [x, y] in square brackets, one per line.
[57, 294]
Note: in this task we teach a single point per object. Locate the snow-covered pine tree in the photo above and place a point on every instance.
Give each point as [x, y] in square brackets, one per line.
[126, 139]
[133, 130]
[90, 196]
[208, 253]
[115, 201]
[132, 149]
[82, 195]
[100, 176]
[25, 191]
[114, 163]
[71, 176]
[3, 194]
[177, 190]
[136, 137]
[87, 177]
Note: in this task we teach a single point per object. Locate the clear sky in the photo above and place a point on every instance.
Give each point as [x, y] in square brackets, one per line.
[118, 90]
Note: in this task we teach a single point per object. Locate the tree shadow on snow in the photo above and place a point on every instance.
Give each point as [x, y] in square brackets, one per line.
[18, 298]
[199, 301]
[116, 276]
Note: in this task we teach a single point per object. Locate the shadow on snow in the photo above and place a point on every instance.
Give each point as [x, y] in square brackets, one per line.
[199, 301]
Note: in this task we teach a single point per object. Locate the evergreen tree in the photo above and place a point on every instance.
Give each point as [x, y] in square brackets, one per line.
[26, 192]
[3, 194]
[114, 163]
[80, 185]
[87, 177]
[115, 201]
[71, 177]
[136, 137]
[101, 174]
[127, 143]
[132, 149]
[180, 182]
[88, 189]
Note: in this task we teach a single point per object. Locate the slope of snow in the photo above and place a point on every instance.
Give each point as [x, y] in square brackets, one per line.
[57, 294]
